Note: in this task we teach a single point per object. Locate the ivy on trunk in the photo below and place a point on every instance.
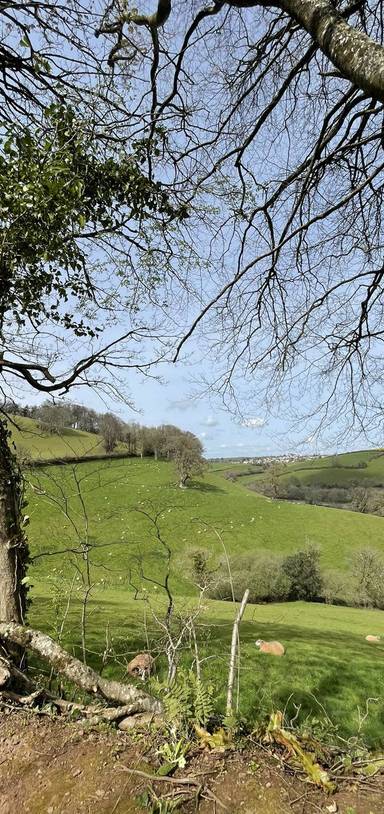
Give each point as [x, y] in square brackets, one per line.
[13, 543]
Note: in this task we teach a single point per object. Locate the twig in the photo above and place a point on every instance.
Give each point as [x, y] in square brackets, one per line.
[176, 781]
[115, 807]
[181, 781]
[297, 799]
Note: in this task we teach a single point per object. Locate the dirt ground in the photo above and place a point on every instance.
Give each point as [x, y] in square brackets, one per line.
[53, 767]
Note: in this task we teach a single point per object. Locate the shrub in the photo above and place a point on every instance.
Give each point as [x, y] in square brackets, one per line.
[262, 574]
[200, 568]
[360, 498]
[303, 572]
[295, 492]
[368, 570]
[334, 586]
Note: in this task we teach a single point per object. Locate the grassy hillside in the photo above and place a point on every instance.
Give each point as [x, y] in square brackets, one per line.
[32, 442]
[248, 521]
[350, 467]
[335, 469]
[327, 662]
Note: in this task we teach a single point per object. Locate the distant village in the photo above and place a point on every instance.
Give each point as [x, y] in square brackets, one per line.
[265, 460]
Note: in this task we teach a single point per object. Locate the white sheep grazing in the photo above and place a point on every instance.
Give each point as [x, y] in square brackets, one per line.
[372, 639]
[273, 648]
[140, 666]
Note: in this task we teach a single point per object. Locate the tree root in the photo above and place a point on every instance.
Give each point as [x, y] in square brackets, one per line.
[130, 698]
[92, 713]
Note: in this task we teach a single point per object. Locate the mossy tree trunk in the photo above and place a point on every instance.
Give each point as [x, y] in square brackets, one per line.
[13, 543]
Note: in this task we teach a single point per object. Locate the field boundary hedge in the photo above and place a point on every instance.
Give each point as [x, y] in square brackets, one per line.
[76, 459]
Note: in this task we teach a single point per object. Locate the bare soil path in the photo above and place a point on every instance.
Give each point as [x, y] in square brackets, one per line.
[50, 766]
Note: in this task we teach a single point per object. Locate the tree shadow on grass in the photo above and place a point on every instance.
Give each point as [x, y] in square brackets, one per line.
[286, 633]
[203, 486]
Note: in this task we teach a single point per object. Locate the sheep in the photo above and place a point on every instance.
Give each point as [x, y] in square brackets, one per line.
[273, 648]
[372, 639]
[141, 666]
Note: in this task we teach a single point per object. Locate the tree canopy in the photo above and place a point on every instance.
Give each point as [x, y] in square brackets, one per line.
[270, 123]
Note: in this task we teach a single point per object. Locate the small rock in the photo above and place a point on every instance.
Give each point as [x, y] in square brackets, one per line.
[332, 808]
[268, 785]
[76, 773]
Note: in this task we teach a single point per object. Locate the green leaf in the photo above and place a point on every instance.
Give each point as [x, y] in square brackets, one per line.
[166, 769]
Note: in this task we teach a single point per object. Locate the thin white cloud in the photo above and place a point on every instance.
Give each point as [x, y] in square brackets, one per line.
[253, 423]
[210, 422]
[182, 405]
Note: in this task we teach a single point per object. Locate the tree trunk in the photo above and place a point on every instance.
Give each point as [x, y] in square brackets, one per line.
[183, 478]
[13, 544]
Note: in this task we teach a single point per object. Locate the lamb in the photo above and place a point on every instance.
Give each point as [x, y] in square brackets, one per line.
[372, 639]
[273, 648]
[141, 666]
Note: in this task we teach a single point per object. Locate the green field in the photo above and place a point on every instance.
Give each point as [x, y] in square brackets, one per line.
[32, 442]
[327, 662]
[249, 521]
[328, 667]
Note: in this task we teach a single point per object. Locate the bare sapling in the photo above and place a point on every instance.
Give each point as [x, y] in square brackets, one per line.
[234, 646]
[178, 630]
[68, 494]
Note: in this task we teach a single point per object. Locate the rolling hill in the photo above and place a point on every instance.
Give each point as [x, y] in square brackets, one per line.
[32, 442]
[351, 467]
[249, 522]
[365, 466]
[328, 664]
